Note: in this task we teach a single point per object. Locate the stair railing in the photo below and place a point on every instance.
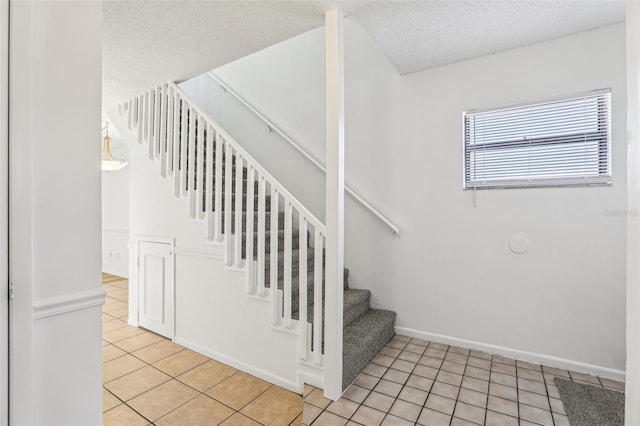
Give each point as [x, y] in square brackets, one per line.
[209, 167]
[272, 127]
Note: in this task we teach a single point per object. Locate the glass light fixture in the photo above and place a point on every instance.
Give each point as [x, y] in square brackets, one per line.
[110, 164]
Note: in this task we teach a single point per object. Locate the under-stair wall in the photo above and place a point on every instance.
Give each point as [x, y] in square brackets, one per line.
[213, 313]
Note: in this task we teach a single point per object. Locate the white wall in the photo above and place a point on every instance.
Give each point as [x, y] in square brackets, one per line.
[303, 113]
[115, 215]
[632, 390]
[450, 276]
[55, 96]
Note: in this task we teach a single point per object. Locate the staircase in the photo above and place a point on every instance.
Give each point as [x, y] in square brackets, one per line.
[249, 212]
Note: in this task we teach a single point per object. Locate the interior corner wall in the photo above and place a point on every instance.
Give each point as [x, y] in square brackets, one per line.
[115, 215]
[632, 389]
[54, 165]
[450, 275]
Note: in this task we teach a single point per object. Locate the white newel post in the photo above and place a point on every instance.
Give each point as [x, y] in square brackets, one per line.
[632, 391]
[334, 47]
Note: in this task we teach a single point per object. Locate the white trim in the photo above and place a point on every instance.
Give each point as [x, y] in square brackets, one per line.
[216, 253]
[134, 253]
[59, 305]
[154, 239]
[115, 230]
[311, 375]
[113, 272]
[240, 365]
[548, 360]
[4, 211]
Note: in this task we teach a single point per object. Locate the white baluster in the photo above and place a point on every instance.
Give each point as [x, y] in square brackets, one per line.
[177, 163]
[171, 105]
[218, 189]
[208, 205]
[201, 127]
[228, 195]
[130, 114]
[136, 108]
[147, 116]
[302, 291]
[273, 256]
[191, 159]
[287, 263]
[249, 230]
[164, 97]
[261, 233]
[238, 211]
[184, 145]
[156, 122]
[152, 120]
[140, 118]
[176, 136]
[317, 299]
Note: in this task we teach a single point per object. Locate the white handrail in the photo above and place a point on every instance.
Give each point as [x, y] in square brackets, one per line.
[273, 127]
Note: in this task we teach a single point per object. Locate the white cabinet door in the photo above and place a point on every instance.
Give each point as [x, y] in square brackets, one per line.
[155, 297]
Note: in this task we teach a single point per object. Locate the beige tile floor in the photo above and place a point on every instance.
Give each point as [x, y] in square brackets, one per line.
[149, 380]
[413, 381]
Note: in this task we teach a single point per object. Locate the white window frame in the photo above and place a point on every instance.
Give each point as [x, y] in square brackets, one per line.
[541, 173]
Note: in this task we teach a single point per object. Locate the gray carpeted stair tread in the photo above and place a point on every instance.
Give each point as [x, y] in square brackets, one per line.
[295, 241]
[256, 206]
[295, 288]
[356, 302]
[295, 264]
[267, 221]
[363, 338]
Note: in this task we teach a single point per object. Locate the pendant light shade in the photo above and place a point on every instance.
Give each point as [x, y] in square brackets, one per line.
[110, 164]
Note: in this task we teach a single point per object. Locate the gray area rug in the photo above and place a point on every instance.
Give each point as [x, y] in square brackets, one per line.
[588, 405]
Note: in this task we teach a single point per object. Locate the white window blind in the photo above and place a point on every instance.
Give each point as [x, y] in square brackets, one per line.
[562, 142]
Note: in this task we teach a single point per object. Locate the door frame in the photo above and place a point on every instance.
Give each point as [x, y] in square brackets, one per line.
[4, 212]
[134, 277]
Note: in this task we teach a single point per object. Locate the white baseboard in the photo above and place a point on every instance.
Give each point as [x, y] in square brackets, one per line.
[240, 365]
[116, 273]
[549, 360]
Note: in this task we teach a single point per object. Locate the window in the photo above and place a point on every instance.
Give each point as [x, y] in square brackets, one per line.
[561, 142]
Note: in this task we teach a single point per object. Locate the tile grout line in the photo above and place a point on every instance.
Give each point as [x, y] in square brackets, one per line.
[124, 402]
[468, 355]
[171, 377]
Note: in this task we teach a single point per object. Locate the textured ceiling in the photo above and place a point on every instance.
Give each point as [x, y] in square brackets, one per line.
[150, 42]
